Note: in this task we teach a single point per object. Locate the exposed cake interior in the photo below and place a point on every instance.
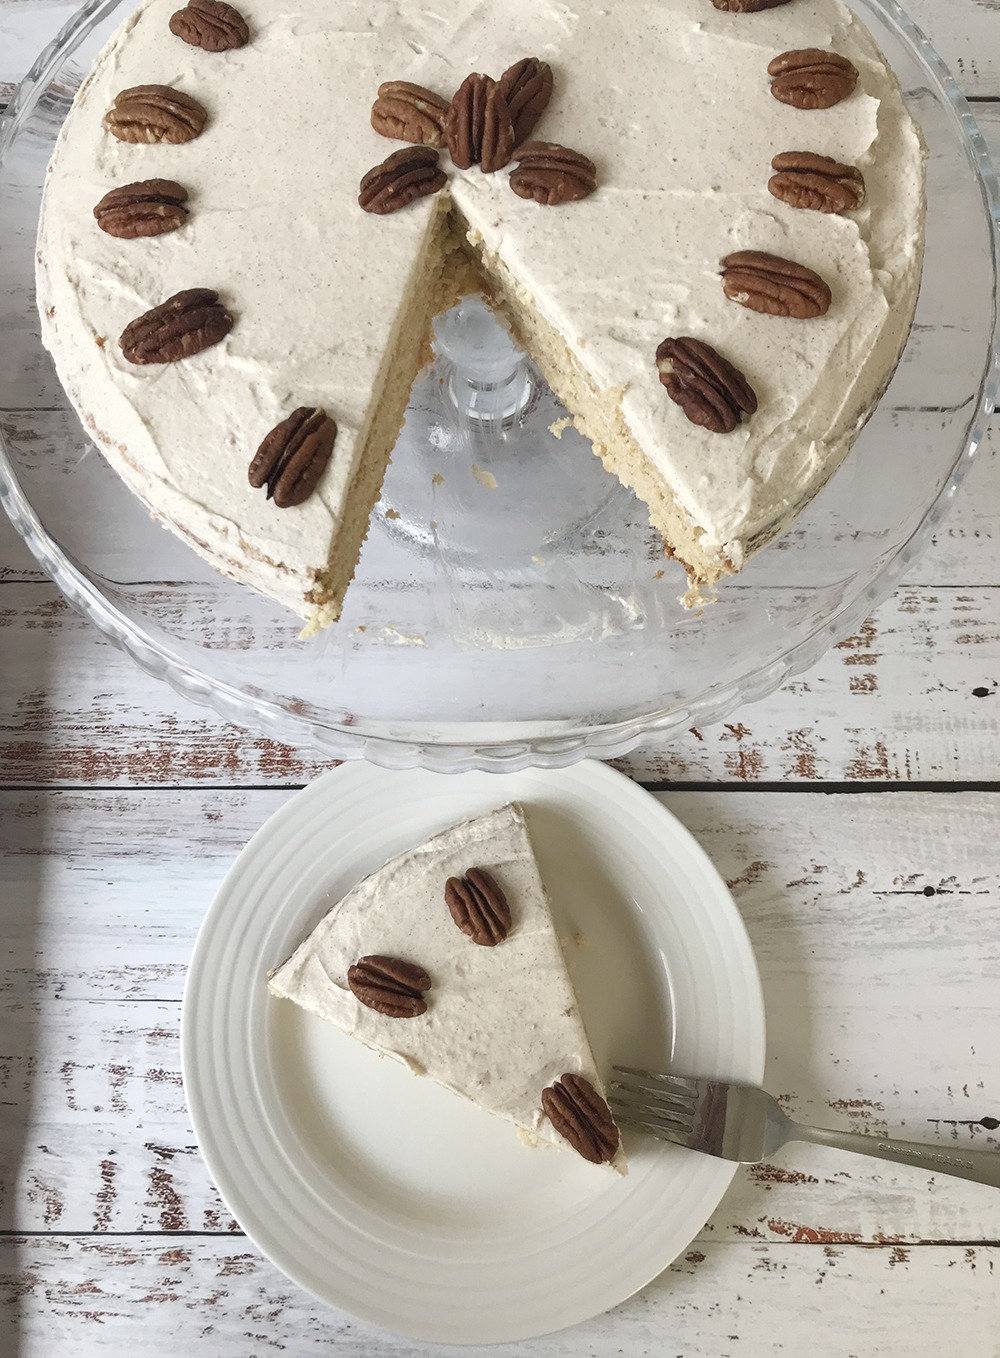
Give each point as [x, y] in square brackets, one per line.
[457, 264]
[596, 413]
[440, 277]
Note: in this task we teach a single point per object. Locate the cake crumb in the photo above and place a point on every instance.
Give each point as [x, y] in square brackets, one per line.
[99, 341]
[392, 513]
[538, 560]
[437, 479]
[397, 638]
[557, 427]
[580, 939]
[484, 478]
[659, 575]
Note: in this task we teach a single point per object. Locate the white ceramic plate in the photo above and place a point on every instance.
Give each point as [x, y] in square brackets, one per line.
[391, 1198]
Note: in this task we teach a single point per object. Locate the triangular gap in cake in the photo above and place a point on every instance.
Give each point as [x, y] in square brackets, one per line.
[455, 264]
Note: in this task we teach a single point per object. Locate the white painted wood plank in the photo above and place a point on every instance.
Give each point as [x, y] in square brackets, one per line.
[913, 697]
[875, 920]
[217, 1298]
[909, 698]
[965, 33]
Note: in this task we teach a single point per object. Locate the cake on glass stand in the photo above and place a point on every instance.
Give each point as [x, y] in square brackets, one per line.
[512, 605]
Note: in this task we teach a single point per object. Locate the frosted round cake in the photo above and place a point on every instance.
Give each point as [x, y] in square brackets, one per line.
[704, 222]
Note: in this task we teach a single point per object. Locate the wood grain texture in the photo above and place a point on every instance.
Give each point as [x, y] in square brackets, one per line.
[874, 917]
[915, 696]
[218, 1299]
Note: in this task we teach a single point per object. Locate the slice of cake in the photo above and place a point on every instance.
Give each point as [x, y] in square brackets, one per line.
[703, 220]
[448, 960]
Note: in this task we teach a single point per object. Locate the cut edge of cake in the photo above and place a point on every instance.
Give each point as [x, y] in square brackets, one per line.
[456, 265]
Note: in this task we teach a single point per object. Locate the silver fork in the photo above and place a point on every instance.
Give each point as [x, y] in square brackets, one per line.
[741, 1122]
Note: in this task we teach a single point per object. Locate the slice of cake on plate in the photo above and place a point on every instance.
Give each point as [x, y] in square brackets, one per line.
[447, 959]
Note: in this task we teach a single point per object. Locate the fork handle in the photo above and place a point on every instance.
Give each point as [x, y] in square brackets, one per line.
[982, 1167]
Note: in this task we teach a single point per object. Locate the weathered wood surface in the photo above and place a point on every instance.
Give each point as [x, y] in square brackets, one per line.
[218, 1299]
[875, 919]
[914, 696]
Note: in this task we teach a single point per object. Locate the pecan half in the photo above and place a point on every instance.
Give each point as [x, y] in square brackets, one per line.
[747, 6]
[811, 78]
[293, 456]
[181, 326]
[806, 180]
[526, 88]
[775, 286]
[552, 174]
[152, 207]
[578, 1113]
[211, 25]
[408, 112]
[478, 907]
[155, 113]
[478, 128]
[389, 985]
[410, 173]
[706, 386]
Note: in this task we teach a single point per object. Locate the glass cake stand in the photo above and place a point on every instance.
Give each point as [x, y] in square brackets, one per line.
[511, 606]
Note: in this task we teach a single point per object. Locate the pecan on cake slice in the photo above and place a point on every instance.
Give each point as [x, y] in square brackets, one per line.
[389, 985]
[774, 286]
[811, 78]
[401, 178]
[819, 183]
[180, 327]
[155, 113]
[478, 127]
[709, 389]
[210, 25]
[527, 88]
[579, 1114]
[293, 457]
[478, 907]
[551, 174]
[151, 207]
[406, 112]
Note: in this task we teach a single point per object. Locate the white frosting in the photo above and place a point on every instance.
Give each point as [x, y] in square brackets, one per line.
[669, 97]
[502, 1023]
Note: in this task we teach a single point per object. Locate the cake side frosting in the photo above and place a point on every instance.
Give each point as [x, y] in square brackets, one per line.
[502, 1022]
[671, 100]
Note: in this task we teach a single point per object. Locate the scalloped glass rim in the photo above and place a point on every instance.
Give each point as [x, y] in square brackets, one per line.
[515, 745]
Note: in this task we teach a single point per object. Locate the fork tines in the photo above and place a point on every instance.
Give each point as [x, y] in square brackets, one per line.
[662, 1104]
